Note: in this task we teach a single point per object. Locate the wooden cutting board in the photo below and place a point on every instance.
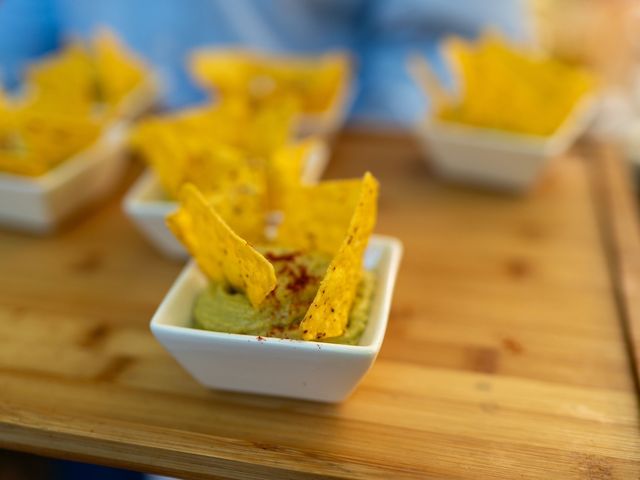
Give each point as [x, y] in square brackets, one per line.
[506, 355]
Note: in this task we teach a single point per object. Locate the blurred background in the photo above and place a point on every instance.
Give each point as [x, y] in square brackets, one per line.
[379, 33]
[603, 36]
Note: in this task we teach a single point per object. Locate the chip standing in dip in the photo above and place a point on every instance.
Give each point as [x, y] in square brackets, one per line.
[223, 309]
[308, 286]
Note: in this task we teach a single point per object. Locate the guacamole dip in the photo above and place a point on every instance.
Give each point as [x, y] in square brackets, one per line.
[220, 308]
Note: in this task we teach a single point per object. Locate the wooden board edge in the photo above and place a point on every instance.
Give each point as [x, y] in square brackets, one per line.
[618, 216]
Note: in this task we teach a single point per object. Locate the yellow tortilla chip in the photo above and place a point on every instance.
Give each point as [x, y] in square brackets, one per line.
[206, 145]
[156, 145]
[179, 156]
[63, 82]
[541, 91]
[258, 129]
[328, 315]
[285, 169]
[315, 82]
[243, 209]
[83, 80]
[316, 217]
[119, 72]
[226, 70]
[33, 142]
[221, 254]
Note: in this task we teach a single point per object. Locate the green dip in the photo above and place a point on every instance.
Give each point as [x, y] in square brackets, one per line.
[221, 309]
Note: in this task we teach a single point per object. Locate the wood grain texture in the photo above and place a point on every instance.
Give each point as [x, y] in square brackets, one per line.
[505, 354]
[614, 185]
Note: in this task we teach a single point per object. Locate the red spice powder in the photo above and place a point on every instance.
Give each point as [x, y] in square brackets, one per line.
[300, 280]
[285, 257]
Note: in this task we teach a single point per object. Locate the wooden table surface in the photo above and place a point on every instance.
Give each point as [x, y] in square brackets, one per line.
[505, 355]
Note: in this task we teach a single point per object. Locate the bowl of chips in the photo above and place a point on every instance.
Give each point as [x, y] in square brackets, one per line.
[225, 150]
[100, 78]
[300, 314]
[321, 86]
[63, 135]
[39, 204]
[514, 112]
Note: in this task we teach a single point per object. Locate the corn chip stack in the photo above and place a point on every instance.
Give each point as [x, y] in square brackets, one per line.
[68, 99]
[506, 88]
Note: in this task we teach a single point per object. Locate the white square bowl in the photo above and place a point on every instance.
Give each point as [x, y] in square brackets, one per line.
[39, 204]
[307, 370]
[496, 159]
[146, 204]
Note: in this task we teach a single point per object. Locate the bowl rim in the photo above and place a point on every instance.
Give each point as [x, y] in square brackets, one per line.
[134, 201]
[112, 135]
[385, 288]
[580, 115]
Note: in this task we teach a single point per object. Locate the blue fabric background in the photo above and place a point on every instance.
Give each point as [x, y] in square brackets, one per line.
[381, 33]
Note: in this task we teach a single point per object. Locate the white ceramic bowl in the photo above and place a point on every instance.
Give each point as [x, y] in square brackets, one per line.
[290, 368]
[39, 204]
[492, 158]
[146, 205]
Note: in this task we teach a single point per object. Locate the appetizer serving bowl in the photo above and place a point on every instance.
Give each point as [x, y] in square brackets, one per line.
[39, 204]
[308, 370]
[147, 206]
[497, 159]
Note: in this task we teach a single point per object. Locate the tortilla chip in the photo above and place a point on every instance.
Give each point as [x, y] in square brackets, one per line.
[221, 254]
[258, 129]
[285, 170]
[212, 147]
[180, 156]
[62, 82]
[226, 70]
[83, 80]
[315, 82]
[316, 217]
[158, 146]
[328, 315]
[119, 72]
[541, 91]
[243, 209]
[33, 142]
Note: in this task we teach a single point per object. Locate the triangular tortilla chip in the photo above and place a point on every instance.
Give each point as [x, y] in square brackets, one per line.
[180, 155]
[315, 81]
[285, 170]
[328, 315]
[316, 217]
[221, 254]
[243, 209]
[541, 91]
[33, 142]
[118, 71]
[62, 82]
